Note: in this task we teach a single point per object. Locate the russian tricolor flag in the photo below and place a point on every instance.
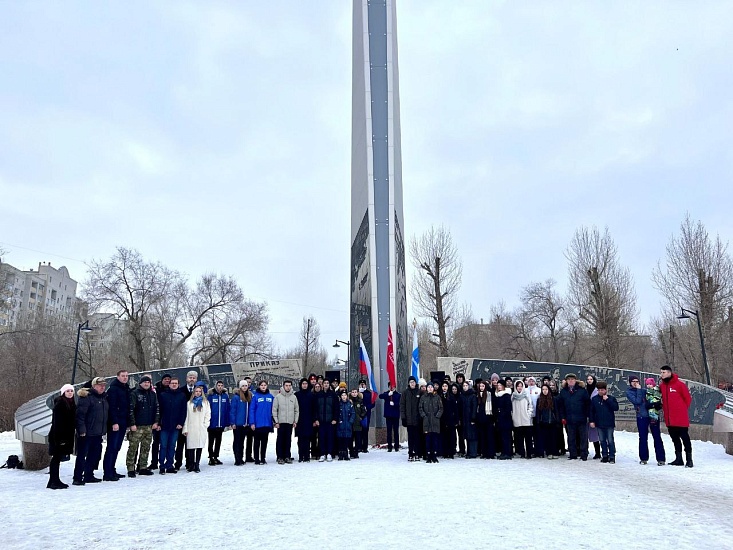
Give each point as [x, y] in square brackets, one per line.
[415, 356]
[365, 368]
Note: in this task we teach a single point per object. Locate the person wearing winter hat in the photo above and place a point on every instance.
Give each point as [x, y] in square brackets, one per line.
[637, 397]
[368, 399]
[61, 435]
[676, 402]
[92, 412]
[143, 419]
[603, 409]
[574, 408]
[410, 416]
[304, 429]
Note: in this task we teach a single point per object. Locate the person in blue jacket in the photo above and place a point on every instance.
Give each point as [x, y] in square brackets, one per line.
[172, 403]
[219, 400]
[260, 417]
[346, 415]
[637, 397]
[304, 429]
[603, 409]
[118, 398]
[368, 399]
[239, 419]
[391, 400]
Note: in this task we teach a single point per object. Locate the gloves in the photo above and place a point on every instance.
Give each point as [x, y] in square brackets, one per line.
[564, 422]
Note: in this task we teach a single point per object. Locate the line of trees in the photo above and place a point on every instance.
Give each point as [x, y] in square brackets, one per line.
[595, 319]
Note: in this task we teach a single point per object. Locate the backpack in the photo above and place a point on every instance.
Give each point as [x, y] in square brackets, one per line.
[12, 463]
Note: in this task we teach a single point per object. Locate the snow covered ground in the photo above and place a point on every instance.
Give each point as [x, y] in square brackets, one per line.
[382, 501]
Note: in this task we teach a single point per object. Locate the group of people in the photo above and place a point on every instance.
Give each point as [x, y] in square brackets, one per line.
[498, 418]
[506, 418]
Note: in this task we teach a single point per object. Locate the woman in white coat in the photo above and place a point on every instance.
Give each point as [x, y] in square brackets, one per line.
[195, 428]
[522, 417]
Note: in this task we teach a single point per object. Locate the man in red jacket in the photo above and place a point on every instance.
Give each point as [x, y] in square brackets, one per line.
[675, 403]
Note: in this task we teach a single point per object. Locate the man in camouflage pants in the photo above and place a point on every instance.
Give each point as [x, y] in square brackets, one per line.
[144, 418]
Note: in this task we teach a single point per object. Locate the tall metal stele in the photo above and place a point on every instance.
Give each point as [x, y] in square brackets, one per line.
[378, 283]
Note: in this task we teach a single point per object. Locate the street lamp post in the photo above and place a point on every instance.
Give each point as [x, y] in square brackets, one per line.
[83, 327]
[686, 315]
[348, 357]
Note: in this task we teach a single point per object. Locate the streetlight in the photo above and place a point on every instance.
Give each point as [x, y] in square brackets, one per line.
[83, 327]
[686, 315]
[348, 355]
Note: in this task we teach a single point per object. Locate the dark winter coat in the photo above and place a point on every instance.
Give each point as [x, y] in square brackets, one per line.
[326, 407]
[431, 409]
[366, 396]
[346, 415]
[603, 413]
[219, 408]
[144, 409]
[676, 401]
[360, 411]
[63, 426]
[574, 405]
[391, 406]
[637, 397]
[503, 409]
[172, 405]
[260, 411]
[468, 414]
[451, 411]
[92, 411]
[239, 409]
[409, 412]
[481, 415]
[118, 397]
[305, 423]
[549, 415]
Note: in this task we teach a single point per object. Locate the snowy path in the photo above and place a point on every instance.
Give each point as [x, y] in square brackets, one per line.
[382, 501]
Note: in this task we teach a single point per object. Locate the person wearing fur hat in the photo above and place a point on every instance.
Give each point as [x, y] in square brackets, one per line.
[61, 434]
[143, 419]
[195, 428]
[410, 416]
[574, 408]
[654, 406]
[431, 409]
[676, 402]
[91, 423]
[304, 429]
[239, 420]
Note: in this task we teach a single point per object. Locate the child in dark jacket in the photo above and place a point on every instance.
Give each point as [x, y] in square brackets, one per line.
[344, 428]
[603, 409]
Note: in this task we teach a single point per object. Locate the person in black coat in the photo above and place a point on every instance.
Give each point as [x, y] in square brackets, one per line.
[61, 435]
[547, 423]
[172, 402]
[160, 386]
[91, 424]
[326, 417]
[304, 428]
[574, 408]
[502, 406]
[469, 406]
[449, 420]
[410, 417]
[118, 398]
[485, 420]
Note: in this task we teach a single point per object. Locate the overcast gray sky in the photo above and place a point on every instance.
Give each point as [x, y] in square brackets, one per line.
[215, 136]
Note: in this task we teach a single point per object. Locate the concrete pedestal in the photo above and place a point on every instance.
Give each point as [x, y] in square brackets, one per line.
[35, 456]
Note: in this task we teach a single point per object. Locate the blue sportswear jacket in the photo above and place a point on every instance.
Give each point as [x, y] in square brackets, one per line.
[260, 410]
[239, 411]
[219, 409]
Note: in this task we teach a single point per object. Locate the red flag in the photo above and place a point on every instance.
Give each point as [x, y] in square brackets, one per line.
[391, 373]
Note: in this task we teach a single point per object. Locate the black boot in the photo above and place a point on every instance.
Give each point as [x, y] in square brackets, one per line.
[688, 456]
[597, 448]
[677, 460]
[435, 458]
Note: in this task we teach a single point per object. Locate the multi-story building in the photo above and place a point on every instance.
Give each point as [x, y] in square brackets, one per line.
[27, 295]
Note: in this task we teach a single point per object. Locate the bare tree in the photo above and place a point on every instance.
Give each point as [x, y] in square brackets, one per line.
[542, 304]
[601, 290]
[697, 274]
[435, 285]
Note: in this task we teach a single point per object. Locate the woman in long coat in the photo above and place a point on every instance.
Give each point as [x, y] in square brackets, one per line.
[195, 428]
[468, 414]
[61, 435]
[431, 409]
